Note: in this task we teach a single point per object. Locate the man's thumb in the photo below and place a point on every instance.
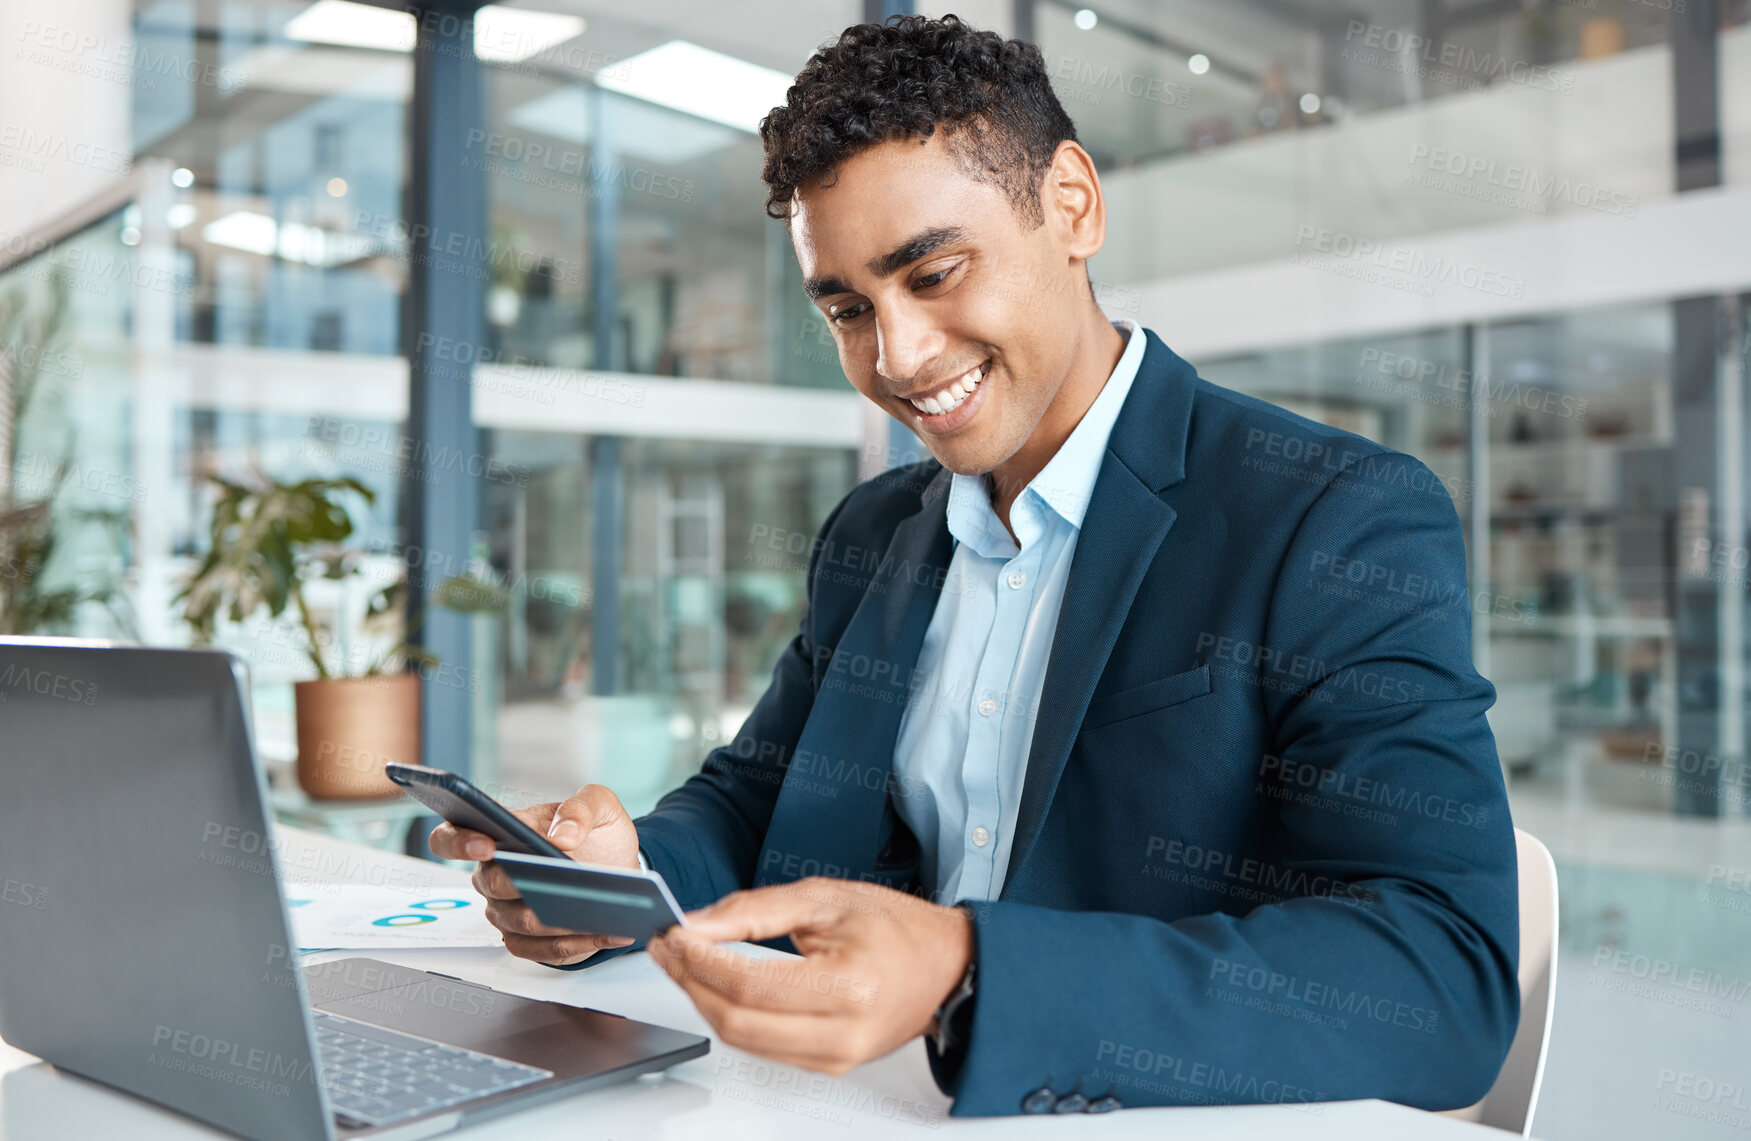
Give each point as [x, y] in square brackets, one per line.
[568, 825]
[590, 807]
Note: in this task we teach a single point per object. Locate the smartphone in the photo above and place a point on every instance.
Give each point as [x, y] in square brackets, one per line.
[465, 806]
[593, 897]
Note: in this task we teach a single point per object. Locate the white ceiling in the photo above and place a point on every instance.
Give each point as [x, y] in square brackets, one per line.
[775, 33]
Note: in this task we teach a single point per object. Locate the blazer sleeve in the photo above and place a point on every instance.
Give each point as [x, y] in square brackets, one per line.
[1400, 986]
[704, 837]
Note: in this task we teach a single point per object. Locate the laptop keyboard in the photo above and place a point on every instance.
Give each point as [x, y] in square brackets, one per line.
[378, 1077]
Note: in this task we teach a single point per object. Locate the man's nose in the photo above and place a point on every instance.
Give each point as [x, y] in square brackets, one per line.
[906, 343]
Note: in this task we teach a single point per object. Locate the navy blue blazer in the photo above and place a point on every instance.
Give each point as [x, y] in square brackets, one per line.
[1263, 851]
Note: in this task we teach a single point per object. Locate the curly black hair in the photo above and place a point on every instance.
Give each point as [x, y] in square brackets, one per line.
[903, 79]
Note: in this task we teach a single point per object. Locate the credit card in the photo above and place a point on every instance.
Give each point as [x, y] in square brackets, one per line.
[592, 898]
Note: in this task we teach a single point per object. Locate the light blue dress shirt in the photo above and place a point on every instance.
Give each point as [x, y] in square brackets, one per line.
[963, 742]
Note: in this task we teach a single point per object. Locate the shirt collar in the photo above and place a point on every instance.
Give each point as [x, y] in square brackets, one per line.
[1066, 482]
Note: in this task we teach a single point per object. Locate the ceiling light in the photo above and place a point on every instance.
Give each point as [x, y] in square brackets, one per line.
[292, 241]
[182, 178]
[243, 230]
[506, 35]
[700, 82]
[1310, 104]
[353, 25]
[1198, 64]
[337, 188]
[501, 35]
[315, 246]
[1086, 18]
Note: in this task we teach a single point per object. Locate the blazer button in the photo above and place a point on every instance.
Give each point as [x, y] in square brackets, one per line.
[1071, 1103]
[1105, 1104]
[1040, 1101]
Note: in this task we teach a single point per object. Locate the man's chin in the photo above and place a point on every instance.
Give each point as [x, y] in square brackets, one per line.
[968, 457]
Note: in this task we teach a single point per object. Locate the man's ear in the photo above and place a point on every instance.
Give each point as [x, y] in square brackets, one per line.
[1074, 203]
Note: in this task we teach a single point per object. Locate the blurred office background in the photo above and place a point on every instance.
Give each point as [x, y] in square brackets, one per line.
[1510, 237]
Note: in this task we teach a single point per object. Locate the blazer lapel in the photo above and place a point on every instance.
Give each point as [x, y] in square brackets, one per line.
[835, 816]
[1123, 528]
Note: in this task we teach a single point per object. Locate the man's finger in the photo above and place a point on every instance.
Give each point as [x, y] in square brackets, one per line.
[800, 1038]
[537, 816]
[563, 950]
[513, 917]
[763, 913]
[448, 842]
[800, 986]
[827, 1042]
[491, 881]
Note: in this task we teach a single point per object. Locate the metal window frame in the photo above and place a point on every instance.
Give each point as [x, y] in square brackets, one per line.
[445, 212]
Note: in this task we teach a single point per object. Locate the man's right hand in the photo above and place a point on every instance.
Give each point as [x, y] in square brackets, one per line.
[592, 827]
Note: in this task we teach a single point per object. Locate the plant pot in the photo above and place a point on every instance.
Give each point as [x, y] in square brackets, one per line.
[1603, 37]
[349, 728]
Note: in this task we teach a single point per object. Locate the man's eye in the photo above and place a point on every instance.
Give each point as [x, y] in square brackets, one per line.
[846, 314]
[931, 279]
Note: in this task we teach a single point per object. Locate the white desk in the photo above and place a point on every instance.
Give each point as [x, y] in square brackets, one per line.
[726, 1094]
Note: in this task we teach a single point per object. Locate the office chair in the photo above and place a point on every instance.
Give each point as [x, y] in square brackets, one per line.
[1511, 1101]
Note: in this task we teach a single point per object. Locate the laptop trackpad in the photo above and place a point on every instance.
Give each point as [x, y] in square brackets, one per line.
[565, 1039]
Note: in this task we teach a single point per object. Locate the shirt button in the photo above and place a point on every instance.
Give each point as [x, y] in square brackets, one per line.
[987, 707]
[1017, 580]
[981, 837]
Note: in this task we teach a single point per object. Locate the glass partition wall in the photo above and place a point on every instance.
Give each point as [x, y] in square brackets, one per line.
[654, 398]
[637, 179]
[1608, 609]
[69, 488]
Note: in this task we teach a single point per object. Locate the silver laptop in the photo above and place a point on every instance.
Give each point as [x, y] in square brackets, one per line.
[144, 941]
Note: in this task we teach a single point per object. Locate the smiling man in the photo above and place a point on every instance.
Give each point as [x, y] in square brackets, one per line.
[1130, 751]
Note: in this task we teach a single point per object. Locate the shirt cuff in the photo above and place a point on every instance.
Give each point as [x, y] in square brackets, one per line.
[644, 864]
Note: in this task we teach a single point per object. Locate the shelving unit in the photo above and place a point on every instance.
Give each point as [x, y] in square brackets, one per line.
[1573, 528]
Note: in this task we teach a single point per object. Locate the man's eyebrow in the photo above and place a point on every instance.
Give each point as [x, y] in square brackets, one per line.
[918, 246]
[818, 287]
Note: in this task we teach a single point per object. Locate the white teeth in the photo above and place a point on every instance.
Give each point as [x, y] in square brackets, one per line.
[950, 398]
[944, 401]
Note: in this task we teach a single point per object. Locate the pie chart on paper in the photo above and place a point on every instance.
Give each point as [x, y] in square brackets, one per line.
[357, 916]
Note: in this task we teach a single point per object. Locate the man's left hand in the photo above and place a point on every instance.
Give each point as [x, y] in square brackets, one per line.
[877, 963]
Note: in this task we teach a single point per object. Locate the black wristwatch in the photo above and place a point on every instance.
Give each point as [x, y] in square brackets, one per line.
[955, 1016]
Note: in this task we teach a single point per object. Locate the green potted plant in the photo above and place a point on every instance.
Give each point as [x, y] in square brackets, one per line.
[268, 541]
